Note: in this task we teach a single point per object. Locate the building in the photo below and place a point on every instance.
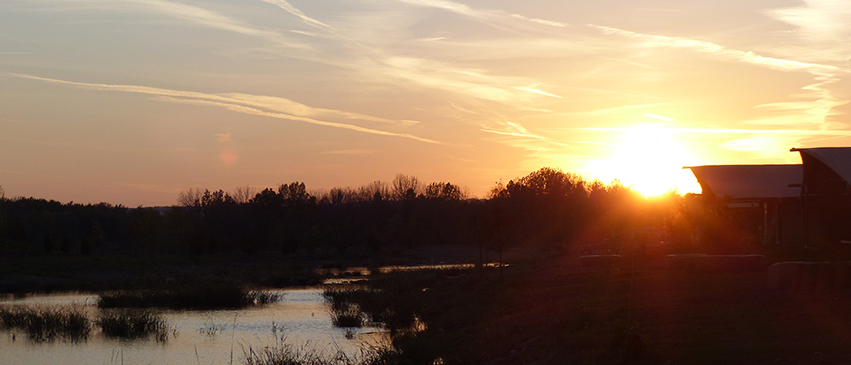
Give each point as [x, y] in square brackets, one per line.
[826, 194]
[765, 199]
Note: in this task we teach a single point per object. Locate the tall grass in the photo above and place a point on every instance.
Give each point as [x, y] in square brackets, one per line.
[128, 324]
[45, 324]
[345, 307]
[284, 353]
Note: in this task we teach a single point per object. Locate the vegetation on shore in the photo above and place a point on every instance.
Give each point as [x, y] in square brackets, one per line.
[555, 311]
[72, 324]
[212, 295]
[546, 209]
[428, 313]
[45, 324]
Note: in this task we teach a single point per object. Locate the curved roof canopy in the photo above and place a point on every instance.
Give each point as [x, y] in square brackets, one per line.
[837, 159]
[749, 181]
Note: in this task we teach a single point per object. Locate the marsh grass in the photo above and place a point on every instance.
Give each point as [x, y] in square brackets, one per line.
[283, 353]
[399, 301]
[46, 324]
[219, 296]
[348, 318]
[262, 297]
[345, 306]
[428, 313]
[134, 323]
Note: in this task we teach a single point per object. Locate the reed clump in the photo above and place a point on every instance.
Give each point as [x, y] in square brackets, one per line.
[134, 323]
[345, 306]
[45, 324]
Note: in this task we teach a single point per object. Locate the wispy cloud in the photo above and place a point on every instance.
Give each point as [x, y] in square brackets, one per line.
[450, 6]
[538, 91]
[821, 101]
[188, 13]
[466, 81]
[480, 14]
[291, 107]
[254, 111]
[242, 104]
[818, 20]
[350, 152]
[679, 130]
[511, 129]
[540, 21]
[718, 50]
[283, 4]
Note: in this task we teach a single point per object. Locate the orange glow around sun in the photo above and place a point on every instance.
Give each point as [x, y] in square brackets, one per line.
[650, 160]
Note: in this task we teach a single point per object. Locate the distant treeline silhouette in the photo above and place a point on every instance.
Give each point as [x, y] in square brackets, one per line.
[545, 210]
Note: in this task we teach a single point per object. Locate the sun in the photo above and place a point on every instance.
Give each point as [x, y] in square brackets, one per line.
[650, 160]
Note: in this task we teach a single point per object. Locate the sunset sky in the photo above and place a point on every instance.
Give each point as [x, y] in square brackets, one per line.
[132, 101]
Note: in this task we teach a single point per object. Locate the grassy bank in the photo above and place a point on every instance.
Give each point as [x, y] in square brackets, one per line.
[209, 295]
[554, 311]
[27, 274]
[56, 273]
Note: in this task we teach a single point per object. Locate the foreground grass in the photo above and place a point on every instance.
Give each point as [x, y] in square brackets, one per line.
[283, 353]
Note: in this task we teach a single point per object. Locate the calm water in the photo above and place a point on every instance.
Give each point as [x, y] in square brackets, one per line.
[202, 337]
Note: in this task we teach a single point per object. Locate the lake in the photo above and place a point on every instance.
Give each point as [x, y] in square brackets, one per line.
[301, 318]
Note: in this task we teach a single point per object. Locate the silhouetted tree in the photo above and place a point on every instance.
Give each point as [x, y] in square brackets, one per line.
[405, 187]
[190, 198]
[243, 194]
[443, 191]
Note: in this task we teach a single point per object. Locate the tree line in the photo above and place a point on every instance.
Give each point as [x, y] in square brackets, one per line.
[545, 210]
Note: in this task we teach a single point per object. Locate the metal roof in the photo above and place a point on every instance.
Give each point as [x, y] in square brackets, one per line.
[749, 181]
[837, 159]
